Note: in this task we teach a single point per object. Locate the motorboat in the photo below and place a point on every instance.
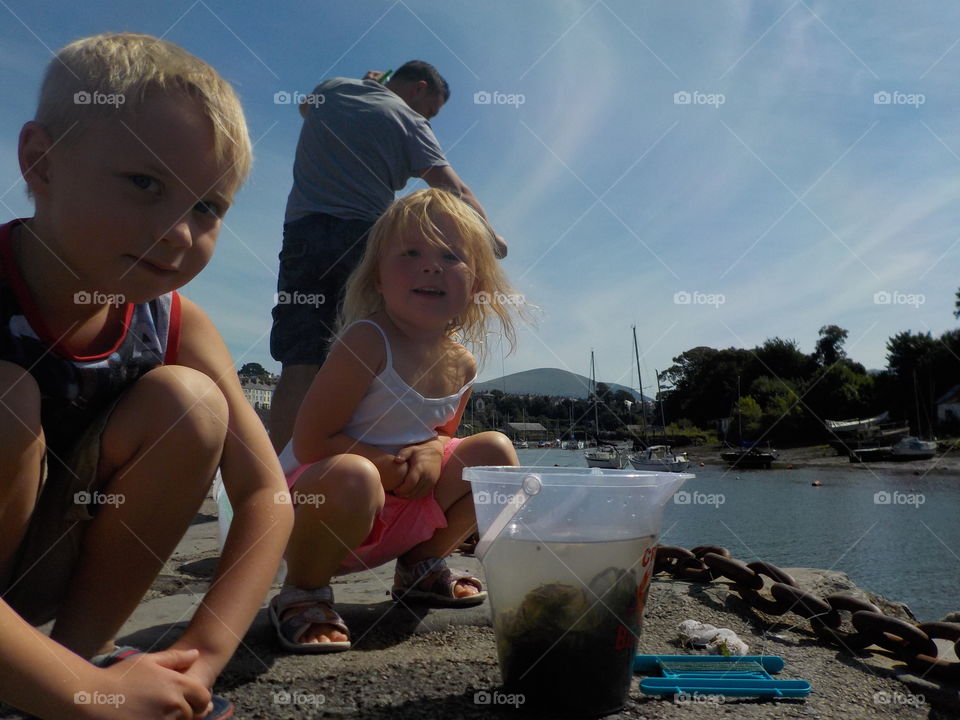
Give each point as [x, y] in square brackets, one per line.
[750, 457]
[913, 448]
[605, 456]
[659, 457]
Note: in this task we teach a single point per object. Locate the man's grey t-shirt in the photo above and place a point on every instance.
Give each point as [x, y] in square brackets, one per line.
[357, 147]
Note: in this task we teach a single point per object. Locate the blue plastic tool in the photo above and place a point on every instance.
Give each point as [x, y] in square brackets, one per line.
[735, 676]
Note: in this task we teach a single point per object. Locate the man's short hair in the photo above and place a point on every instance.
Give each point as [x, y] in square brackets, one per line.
[111, 75]
[417, 70]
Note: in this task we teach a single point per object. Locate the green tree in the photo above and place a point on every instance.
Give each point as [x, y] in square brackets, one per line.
[830, 345]
[253, 370]
[750, 415]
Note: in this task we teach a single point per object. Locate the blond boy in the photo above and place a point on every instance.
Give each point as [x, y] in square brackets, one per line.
[118, 398]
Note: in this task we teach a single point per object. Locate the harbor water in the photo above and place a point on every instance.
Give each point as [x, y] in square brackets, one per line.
[893, 533]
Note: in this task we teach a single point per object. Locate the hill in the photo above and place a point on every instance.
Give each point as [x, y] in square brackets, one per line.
[547, 381]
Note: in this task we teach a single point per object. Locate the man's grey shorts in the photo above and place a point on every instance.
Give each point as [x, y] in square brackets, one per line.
[319, 252]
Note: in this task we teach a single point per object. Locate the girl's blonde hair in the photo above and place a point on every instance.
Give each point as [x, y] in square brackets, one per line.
[419, 212]
[110, 75]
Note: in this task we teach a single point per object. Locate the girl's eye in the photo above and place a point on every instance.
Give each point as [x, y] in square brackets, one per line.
[410, 252]
[452, 257]
[145, 182]
[209, 208]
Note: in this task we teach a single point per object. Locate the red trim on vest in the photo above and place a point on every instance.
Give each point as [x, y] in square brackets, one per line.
[173, 331]
[11, 272]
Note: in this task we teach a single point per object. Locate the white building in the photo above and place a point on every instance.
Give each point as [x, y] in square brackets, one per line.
[258, 390]
[948, 406]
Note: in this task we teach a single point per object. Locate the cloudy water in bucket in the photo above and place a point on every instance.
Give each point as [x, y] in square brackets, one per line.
[566, 617]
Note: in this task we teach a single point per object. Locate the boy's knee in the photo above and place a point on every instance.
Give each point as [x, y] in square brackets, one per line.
[184, 402]
[19, 406]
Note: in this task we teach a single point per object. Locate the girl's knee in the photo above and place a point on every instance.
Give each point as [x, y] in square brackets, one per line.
[20, 408]
[494, 448]
[349, 481]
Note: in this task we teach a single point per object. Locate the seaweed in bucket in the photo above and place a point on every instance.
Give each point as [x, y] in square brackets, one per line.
[563, 636]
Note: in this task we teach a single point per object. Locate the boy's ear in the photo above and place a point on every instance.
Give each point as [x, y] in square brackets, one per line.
[35, 143]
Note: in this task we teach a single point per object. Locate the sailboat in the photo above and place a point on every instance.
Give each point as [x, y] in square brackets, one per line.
[655, 457]
[604, 455]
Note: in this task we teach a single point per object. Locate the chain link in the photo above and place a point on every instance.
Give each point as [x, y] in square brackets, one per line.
[912, 644]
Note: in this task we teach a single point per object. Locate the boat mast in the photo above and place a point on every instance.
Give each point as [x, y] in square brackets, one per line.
[643, 410]
[593, 382]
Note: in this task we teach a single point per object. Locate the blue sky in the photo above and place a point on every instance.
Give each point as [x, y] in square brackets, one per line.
[715, 173]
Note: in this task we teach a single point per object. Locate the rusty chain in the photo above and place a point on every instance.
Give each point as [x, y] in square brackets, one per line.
[867, 625]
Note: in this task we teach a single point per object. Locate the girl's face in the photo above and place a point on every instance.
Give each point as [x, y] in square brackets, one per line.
[423, 284]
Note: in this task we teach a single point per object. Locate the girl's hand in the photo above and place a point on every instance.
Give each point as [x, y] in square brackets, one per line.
[423, 469]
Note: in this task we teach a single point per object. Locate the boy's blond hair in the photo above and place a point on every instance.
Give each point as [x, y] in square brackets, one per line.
[102, 76]
[419, 212]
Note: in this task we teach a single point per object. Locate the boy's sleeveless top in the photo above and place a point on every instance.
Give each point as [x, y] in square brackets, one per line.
[75, 389]
[392, 414]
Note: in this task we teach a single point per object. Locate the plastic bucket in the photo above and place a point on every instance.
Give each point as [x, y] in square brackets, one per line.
[568, 555]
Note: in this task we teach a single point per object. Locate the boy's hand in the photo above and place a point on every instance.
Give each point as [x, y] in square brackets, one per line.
[423, 468]
[155, 686]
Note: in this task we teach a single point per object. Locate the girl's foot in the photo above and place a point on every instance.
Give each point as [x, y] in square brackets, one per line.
[430, 582]
[306, 621]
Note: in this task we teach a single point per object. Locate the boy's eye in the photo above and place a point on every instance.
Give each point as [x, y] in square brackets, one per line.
[205, 207]
[145, 182]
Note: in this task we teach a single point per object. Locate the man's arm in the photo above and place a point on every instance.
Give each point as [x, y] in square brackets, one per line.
[444, 176]
[261, 525]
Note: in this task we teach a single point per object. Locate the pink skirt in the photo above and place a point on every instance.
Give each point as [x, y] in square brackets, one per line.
[401, 525]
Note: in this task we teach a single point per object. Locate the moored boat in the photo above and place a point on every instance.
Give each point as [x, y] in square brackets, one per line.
[659, 457]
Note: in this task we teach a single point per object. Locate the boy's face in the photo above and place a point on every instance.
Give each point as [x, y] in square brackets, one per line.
[134, 204]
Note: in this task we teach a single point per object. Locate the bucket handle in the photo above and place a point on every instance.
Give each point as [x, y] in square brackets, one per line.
[530, 486]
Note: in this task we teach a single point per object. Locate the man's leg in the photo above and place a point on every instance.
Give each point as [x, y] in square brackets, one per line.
[158, 455]
[291, 388]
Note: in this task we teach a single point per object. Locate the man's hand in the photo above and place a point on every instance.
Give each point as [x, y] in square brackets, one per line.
[423, 468]
[373, 75]
[500, 247]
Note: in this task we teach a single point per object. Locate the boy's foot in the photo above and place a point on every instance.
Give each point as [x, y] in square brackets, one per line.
[430, 582]
[306, 621]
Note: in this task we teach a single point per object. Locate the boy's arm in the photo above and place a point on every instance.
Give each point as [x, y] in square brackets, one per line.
[262, 515]
[43, 678]
[337, 389]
